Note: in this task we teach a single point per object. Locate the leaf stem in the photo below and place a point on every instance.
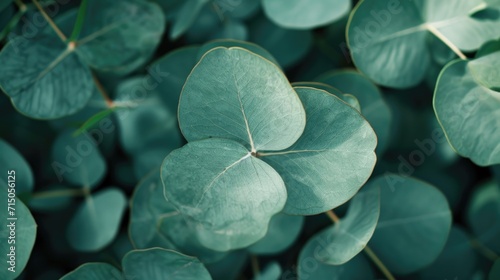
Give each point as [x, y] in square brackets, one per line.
[367, 250]
[79, 21]
[255, 265]
[378, 263]
[59, 193]
[445, 40]
[50, 21]
[22, 7]
[13, 21]
[100, 87]
[485, 251]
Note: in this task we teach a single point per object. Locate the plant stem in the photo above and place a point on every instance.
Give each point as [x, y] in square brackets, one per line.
[378, 263]
[21, 5]
[100, 87]
[485, 251]
[445, 40]
[50, 21]
[79, 21]
[59, 193]
[255, 265]
[13, 22]
[367, 250]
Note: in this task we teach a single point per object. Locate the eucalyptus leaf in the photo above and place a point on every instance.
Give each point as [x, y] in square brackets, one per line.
[241, 9]
[271, 272]
[228, 192]
[97, 220]
[283, 231]
[19, 225]
[467, 109]
[159, 263]
[388, 39]
[232, 29]
[332, 159]
[297, 14]
[186, 16]
[483, 214]
[256, 105]
[256, 49]
[411, 233]
[346, 97]
[94, 271]
[372, 103]
[77, 160]
[11, 159]
[344, 240]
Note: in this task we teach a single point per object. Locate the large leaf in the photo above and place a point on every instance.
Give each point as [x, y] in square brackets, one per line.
[344, 240]
[228, 192]
[18, 232]
[11, 159]
[94, 271]
[283, 231]
[388, 39]
[120, 36]
[299, 14]
[373, 106]
[235, 94]
[333, 158]
[159, 263]
[458, 258]
[97, 220]
[483, 215]
[467, 109]
[414, 223]
[43, 78]
[78, 160]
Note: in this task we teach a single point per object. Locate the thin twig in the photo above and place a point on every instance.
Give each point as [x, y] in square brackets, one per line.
[100, 87]
[255, 265]
[21, 5]
[50, 21]
[333, 216]
[485, 251]
[445, 40]
[379, 263]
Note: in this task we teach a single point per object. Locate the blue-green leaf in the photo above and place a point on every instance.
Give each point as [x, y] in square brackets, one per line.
[94, 271]
[11, 159]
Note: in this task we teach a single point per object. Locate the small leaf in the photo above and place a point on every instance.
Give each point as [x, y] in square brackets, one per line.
[228, 192]
[344, 240]
[11, 159]
[283, 231]
[94, 271]
[255, 104]
[332, 159]
[271, 272]
[159, 263]
[97, 220]
[347, 98]
[411, 233]
[297, 14]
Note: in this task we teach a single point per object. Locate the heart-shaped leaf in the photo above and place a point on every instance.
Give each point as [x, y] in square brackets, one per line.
[159, 263]
[388, 39]
[298, 14]
[332, 159]
[205, 180]
[344, 240]
[256, 105]
[97, 220]
[411, 233]
[467, 109]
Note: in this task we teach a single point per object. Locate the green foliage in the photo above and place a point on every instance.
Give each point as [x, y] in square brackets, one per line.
[250, 139]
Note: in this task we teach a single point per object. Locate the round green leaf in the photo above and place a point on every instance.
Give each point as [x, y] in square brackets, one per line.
[23, 228]
[235, 94]
[77, 160]
[332, 159]
[94, 271]
[228, 192]
[411, 233]
[256, 49]
[159, 263]
[271, 272]
[186, 16]
[483, 215]
[309, 267]
[11, 159]
[97, 220]
[298, 14]
[120, 36]
[467, 109]
[346, 97]
[43, 78]
[287, 46]
[231, 29]
[373, 106]
[389, 42]
[282, 233]
[457, 259]
[344, 240]
[241, 9]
